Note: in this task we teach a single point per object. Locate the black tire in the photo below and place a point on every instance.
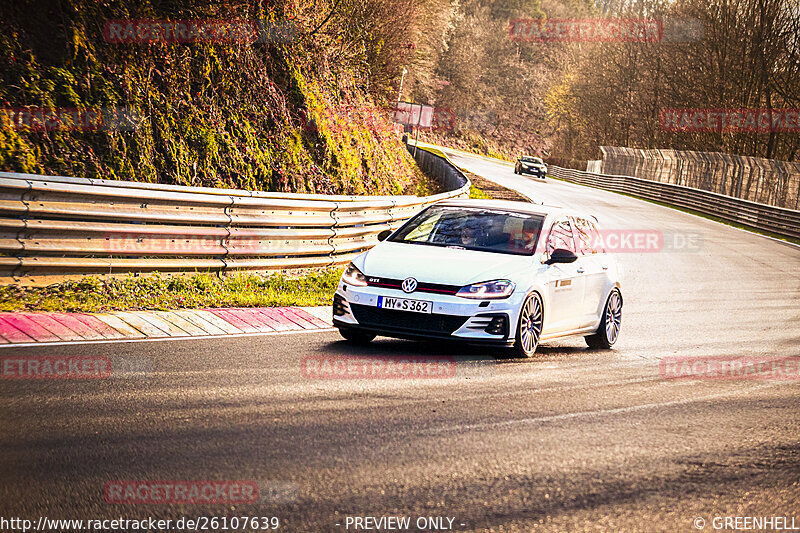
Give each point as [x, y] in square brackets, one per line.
[610, 325]
[355, 336]
[529, 326]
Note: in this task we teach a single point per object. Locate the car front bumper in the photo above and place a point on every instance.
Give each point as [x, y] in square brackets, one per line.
[534, 172]
[453, 318]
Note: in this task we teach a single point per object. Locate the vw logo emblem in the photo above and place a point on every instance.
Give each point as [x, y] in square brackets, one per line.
[409, 285]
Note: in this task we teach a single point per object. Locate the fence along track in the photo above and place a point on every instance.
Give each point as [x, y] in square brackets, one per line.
[778, 220]
[52, 227]
[765, 181]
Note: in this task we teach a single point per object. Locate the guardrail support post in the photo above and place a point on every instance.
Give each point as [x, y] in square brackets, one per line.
[24, 219]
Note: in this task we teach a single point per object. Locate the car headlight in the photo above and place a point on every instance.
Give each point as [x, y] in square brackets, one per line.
[353, 276]
[501, 288]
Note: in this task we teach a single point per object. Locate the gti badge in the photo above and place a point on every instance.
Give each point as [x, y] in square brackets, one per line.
[409, 285]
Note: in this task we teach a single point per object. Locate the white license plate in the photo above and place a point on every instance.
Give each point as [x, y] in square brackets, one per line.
[404, 304]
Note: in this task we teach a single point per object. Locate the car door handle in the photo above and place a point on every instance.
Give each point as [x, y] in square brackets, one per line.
[580, 270]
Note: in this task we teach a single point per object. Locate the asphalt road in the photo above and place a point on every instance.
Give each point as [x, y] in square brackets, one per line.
[572, 440]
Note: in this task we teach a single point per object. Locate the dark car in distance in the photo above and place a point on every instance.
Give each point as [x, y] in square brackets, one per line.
[528, 164]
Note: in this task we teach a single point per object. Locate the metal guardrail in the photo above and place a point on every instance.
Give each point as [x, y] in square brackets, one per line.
[54, 227]
[777, 220]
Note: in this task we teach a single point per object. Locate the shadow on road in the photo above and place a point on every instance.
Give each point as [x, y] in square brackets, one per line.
[407, 348]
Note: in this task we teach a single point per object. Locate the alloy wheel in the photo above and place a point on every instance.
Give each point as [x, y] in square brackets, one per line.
[613, 317]
[530, 328]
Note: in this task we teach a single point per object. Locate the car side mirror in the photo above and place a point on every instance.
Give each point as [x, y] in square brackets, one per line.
[561, 255]
[384, 234]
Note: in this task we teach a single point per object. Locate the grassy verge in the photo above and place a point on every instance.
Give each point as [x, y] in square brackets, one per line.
[179, 292]
[160, 292]
[704, 215]
[483, 189]
[433, 150]
[470, 141]
[479, 194]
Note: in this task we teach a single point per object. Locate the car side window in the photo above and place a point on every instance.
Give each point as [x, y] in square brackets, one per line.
[560, 236]
[597, 240]
[584, 236]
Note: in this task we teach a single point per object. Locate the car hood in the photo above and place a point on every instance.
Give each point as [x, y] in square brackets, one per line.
[434, 264]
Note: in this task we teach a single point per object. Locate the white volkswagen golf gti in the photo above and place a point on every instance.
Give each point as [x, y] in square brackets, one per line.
[484, 271]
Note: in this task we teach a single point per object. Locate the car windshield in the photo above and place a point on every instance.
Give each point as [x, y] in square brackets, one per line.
[486, 230]
[529, 159]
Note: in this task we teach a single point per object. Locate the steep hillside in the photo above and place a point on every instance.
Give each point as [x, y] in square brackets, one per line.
[275, 110]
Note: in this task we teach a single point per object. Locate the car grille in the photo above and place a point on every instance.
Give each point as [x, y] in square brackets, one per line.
[405, 322]
[436, 288]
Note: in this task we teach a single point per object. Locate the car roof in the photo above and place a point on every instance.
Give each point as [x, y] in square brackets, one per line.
[508, 205]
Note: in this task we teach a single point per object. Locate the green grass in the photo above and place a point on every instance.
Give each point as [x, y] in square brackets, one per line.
[472, 142]
[92, 294]
[479, 194]
[474, 192]
[433, 150]
[703, 215]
